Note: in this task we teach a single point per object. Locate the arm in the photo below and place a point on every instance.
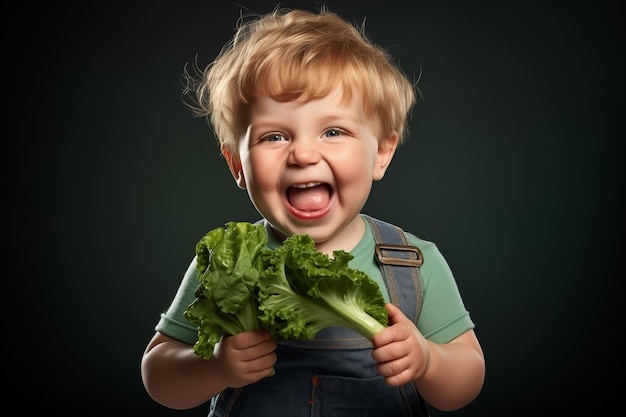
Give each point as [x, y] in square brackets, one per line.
[176, 377]
[448, 376]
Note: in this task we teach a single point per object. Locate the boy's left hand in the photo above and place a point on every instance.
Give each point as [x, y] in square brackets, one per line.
[401, 351]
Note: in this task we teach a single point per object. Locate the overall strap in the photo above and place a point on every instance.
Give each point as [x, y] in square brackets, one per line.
[399, 263]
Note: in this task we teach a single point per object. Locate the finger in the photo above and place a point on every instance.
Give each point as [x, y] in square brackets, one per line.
[395, 314]
[399, 379]
[400, 328]
[246, 340]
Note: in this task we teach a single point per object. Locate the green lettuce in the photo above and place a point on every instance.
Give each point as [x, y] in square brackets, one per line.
[293, 291]
[302, 291]
[226, 300]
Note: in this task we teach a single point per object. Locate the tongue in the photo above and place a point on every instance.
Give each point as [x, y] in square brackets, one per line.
[310, 198]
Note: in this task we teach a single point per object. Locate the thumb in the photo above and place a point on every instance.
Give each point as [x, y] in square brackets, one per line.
[395, 314]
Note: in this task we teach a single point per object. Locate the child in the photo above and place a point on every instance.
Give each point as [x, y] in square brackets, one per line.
[308, 113]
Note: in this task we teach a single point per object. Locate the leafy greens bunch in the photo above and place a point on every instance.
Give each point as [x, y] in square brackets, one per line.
[302, 291]
[226, 303]
[293, 291]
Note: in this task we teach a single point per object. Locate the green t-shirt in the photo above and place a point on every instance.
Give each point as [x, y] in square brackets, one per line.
[442, 318]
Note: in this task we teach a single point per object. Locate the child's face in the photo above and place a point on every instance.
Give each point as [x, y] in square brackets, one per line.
[308, 168]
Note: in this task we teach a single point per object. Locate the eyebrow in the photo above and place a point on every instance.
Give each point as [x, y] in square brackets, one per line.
[269, 121]
[340, 117]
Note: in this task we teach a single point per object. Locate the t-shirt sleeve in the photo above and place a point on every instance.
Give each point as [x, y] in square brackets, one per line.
[443, 316]
[173, 322]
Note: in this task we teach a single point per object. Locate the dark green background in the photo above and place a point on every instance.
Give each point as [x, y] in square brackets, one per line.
[513, 168]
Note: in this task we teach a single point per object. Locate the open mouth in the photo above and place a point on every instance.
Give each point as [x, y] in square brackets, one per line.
[309, 197]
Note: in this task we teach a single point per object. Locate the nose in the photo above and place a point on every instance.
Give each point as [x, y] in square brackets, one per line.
[304, 152]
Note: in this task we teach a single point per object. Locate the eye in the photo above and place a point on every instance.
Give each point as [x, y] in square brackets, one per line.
[273, 137]
[334, 132]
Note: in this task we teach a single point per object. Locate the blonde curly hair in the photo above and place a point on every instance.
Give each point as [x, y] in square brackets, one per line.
[296, 55]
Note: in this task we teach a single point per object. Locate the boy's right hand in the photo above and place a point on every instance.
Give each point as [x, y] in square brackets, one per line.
[244, 358]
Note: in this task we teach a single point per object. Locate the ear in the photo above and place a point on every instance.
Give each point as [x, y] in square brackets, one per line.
[386, 150]
[234, 164]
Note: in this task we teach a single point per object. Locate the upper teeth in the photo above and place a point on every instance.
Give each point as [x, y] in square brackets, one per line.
[307, 185]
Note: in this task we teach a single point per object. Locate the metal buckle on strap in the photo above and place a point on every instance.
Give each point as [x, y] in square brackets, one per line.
[399, 261]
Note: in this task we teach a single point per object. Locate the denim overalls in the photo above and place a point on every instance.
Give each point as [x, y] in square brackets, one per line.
[334, 374]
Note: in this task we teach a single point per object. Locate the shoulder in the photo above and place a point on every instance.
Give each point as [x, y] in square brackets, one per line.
[426, 246]
[433, 259]
[423, 244]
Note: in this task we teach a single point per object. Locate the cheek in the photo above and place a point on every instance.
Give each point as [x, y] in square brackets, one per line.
[355, 170]
[359, 162]
[260, 171]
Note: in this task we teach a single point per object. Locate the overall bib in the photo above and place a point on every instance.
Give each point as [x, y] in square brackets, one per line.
[334, 375]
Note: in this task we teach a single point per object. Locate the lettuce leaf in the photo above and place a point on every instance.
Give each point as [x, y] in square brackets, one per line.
[302, 291]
